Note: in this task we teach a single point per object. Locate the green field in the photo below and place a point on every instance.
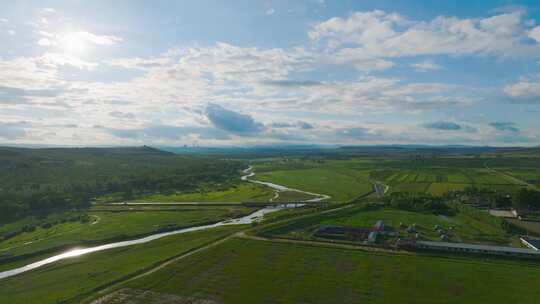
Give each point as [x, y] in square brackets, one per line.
[247, 271]
[107, 226]
[70, 280]
[340, 183]
[291, 196]
[349, 178]
[242, 192]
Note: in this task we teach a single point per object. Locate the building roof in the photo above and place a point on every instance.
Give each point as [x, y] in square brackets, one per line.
[533, 243]
[480, 247]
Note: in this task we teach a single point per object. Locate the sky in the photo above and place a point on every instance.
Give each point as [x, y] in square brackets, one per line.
[245, 73]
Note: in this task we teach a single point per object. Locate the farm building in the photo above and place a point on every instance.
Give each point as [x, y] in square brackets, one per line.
[342, 232]
[367, 234]
[474, 248]
[503, 213]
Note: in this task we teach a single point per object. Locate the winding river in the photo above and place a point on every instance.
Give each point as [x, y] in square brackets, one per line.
[248, 219]
[249, 173]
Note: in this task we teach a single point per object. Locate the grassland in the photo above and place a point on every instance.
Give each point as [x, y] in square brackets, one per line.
[288, 196]
[248, 271]
[347, 178]
[106, 226]
[68, 281]
[239, 193]
[332, 178]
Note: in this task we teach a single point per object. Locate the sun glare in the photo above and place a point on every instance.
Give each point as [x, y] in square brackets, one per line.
[74, 43]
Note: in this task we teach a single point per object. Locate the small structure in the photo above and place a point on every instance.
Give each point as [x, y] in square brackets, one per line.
[531, 243]
[479, 249]
[372, 237]
[503, 213]
[342, 232]
[368, 235]
[411, 229]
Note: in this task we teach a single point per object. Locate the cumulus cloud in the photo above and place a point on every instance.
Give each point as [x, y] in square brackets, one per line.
[443, 126]
[504, 126]
[297, 125]
[535, 34]
[266, 95]
[20, 95]
[231, 121]
[525, 89]
[93, 38]
[122, 115]
[48, 11]
[291, 83]
[424, 66]
[381, 34]
[270, 11]
[44, 42]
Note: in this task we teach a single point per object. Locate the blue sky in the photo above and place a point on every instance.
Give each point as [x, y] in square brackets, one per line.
[269, 72]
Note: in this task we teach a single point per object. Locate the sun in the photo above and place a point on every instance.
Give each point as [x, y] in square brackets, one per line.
[74, 43]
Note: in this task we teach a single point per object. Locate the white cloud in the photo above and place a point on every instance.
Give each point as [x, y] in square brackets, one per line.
[535, 34]
[11, 32]
[44, 42]
[270, 11]
[74, 40]
[359, 28]
[525, 89]
[381, 34]
[4, 20]
[96, 39]
[424, 66]
[48, 11]
[164, 98]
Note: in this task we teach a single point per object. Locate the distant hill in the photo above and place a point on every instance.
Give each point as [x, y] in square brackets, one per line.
[376, 150]
[46, 178]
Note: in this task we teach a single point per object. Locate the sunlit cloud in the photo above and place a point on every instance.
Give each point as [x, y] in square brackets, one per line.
[350, 79]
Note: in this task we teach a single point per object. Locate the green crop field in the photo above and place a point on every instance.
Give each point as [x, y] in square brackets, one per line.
[248, 271]
[68, 281]
[288, 196]
[239, 193]
[346, 179]
[106, 226]
[341, 185]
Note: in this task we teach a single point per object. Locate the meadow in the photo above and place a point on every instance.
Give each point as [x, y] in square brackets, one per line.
[73, 279]
[242, 192]
[250, 271]
[105, 226]
[331, 178]
[350, 177]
